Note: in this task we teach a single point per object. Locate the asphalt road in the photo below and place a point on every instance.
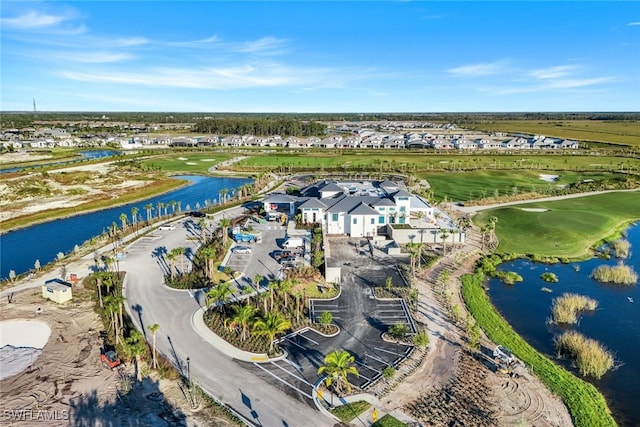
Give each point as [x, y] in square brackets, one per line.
[149, 302]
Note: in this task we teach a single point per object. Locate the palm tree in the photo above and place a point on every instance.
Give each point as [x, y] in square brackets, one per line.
[179, 252]
[98, 277]
[271, 325]
[338, 366]
[209, 254]
[136, 348]
[224, 225]
[414, 254]
[123, 219]
[171, 257]
[154, 329]
[243, 316]
[274, 285]
[134, 216]
[444, 235]
[256, 280]
[159, 206]
[149, 208]
[219, 294]
[203, 230]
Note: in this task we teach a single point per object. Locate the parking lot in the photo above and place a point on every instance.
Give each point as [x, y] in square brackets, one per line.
[362, 320]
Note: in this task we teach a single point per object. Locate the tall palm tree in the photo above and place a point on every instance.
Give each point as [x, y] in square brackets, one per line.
[136, 348]
[444, 235]
[203, 230]
[243, 316]
[149, 208]
[338, 366]
[414, 255]
[154, 329]
[171, 257]
[134, 216]
[271, 325]
[224, 226]
[123, 219]
[179, 252]
[274, 285]
[209, 254]
[256, 280]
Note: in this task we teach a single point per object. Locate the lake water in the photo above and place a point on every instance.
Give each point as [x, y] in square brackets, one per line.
[615, 323]
[21, 248]
[86, 155]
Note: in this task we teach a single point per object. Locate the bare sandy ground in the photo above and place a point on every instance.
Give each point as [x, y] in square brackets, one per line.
[106, 184]
[67, 384]
[453, 386]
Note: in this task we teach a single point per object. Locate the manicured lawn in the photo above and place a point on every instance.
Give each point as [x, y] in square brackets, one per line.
[389, 421]
[188, 162]
[478, 184]
[427, 161]
[349, 411]
[566, 228]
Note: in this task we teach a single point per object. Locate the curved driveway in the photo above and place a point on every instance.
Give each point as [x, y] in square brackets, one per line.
[149, 302]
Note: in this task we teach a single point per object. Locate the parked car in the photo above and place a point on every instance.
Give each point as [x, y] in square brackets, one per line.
[278, 255]
[241, 250]
[197, 214]
[289, 260]
[167, 227]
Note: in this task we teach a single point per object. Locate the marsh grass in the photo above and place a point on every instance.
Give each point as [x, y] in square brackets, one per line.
[591, 357]
[508, 277]
[619, 274]
[567, 307]
[621, 248]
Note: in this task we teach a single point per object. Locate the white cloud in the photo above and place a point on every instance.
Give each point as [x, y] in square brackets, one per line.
[476, 70]
[132, 41]
[574, 83]
[33, 20]
[95, 57]
[245, 76]
[633, 24]
[264, 46]
[554, 72]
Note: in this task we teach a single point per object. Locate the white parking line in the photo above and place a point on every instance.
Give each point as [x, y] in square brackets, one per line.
[283, 381]
[296, 344]
[371, 368]
[292, 374]
[307, 338]
[375, 358]
[388, 351]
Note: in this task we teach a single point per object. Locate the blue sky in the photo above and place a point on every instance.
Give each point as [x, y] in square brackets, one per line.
[330, 56]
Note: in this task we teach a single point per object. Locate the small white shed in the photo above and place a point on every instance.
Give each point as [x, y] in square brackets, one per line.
[57, 290]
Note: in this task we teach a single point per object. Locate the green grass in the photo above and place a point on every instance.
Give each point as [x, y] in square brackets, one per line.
[186, 162]
[567, 228]
[607, 131]
[389, 421]
[349, 411]
[478, 184]
[587, 406]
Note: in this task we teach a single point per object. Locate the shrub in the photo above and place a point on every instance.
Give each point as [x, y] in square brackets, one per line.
[621, 248]
[620, 274]
[566, 308]
[389, 421]
[508, 277]
[549, 277]
[591, 357]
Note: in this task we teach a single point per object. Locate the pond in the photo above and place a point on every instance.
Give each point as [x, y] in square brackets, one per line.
[615, 323]
[86, 155]
[21, 248]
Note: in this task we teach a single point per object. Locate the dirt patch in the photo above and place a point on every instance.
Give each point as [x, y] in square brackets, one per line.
[451, 386]
[68, 384]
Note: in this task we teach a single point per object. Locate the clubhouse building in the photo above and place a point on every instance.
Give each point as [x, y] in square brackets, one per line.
[368, 209]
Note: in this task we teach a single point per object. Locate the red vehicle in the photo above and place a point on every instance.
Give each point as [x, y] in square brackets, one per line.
[110, 359]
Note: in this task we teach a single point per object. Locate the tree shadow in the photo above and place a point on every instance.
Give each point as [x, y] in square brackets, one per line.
[143, 404]
[138, 309]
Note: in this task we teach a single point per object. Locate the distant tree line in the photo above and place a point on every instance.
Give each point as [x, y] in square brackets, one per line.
[260, 126]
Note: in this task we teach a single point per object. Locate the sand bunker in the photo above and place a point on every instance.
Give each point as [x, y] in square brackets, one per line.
[21, 342]
[182, 158]
[534, 209]
[191, 163]
[549, 178]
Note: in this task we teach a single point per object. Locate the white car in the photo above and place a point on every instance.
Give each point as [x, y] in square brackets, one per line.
[167, 227]
[241, 250]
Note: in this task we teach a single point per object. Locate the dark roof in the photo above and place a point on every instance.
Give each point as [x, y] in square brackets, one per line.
[312, 203]
[402, 193]
[332, 186]
[280, 198]
[363, 209]
[383, 201]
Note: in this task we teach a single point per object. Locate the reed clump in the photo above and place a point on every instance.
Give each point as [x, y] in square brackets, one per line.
[621, 248]
[567, 307]
[591, 357]
[619, 274]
